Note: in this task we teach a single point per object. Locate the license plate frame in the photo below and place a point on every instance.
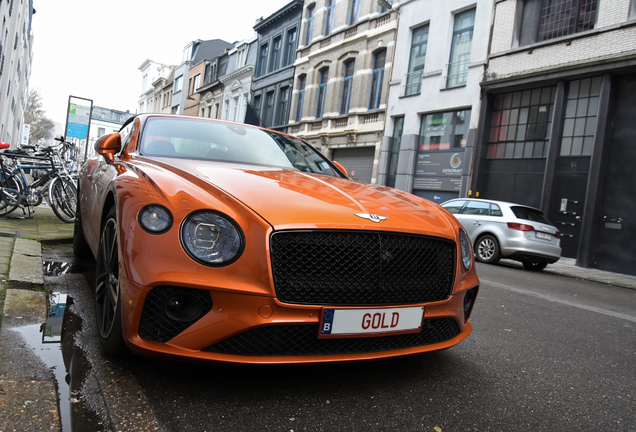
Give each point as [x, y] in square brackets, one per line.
[361, 322]
[543, 236]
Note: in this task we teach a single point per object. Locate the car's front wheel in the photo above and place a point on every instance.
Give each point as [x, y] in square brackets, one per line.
[534, 266]
[487, 249]
[107, 293]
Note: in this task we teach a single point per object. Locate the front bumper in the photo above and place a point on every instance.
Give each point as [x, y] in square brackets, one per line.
[243, 328]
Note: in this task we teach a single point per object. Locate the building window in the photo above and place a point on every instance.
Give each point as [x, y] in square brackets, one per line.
[301, 97]
[329, 17]
[178, 82]
[632, 9]
[195, 83]
[581, 112]
[460, 49]
[346, 87]
[101, 131]
[268, 110]
[444, 130]
[353, 13]
[310, 24]
[235, 108]
[379, 59]
[322, 92]
[241, 56]
[548, 19]
[274, 59]
[290, 47]
[262, 60]
[226, 109]
[419, 45]
[282, 109]
[394, 154]
[521, 124]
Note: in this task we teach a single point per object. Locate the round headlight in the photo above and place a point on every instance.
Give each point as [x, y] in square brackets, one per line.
[155, 219]
[466, 250]
[212, 238]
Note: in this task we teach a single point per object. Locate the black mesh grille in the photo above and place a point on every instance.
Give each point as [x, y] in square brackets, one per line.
[156, 325]
[361, 268]
[302, 340]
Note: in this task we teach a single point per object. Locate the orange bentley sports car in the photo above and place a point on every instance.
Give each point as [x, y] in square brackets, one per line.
[226, 242]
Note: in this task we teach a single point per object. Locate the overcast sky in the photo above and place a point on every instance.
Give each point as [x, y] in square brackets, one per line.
[92, 49]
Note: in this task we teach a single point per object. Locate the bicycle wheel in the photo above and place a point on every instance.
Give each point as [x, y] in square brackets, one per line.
[11, 196]
[63, 199]
[10, 201]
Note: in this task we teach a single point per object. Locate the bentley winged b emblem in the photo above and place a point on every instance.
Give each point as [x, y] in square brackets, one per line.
[372, 217]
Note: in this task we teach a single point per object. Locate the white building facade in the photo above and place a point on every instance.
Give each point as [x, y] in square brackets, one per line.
[151, 72]
[435, 96]
[237, 81]
[15, 67]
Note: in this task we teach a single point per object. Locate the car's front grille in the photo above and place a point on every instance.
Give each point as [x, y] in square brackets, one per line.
[302, 340]
[361, 267]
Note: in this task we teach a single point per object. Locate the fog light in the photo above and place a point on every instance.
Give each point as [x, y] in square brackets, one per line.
[183, 307]
[469, 301]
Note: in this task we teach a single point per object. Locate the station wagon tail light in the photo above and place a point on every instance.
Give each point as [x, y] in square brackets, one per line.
[212, 238]
[520, 227]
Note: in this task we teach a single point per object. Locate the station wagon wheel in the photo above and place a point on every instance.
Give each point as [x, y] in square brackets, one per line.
[534, 266]
[487, 249]
[107, 295]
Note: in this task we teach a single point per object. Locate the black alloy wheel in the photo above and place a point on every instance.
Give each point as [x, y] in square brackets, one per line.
[107, 294]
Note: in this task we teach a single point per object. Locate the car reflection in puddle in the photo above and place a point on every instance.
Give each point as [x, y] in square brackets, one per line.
[54, 342]
[58, 268]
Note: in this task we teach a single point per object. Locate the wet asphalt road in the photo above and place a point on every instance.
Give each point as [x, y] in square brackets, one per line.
[548, 353]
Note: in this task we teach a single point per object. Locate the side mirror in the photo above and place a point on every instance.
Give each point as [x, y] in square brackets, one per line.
[341, 168]
[108, 146]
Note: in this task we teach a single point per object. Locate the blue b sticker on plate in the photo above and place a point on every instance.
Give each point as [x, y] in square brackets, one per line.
[327, 321]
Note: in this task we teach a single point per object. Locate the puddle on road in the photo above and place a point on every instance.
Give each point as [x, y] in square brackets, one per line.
[53, 342]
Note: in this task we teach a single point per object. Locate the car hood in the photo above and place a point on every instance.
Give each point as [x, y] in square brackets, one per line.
[289, 199]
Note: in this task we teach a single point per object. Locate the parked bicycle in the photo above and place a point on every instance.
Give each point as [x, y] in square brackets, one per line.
[52, 181]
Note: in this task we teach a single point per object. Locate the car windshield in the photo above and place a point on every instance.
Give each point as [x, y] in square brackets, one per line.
[530, 214]
[208, 140]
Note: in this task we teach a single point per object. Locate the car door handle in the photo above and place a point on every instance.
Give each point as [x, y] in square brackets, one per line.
[476, 223]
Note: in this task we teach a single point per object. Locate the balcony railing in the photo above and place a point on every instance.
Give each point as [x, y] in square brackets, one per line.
[457, 74]
[413, 83]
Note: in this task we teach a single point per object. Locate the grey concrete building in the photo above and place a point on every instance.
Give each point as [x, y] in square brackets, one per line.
[273, 80]
[557, 126]
[339, 102]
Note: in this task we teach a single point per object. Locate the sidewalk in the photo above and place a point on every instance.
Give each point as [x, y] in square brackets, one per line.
[28, 395]
[28, 388]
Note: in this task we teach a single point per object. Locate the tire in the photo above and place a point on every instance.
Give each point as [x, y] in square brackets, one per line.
[534, 266]
[63, 199]
[10, 197]
[81, 249]
[487, 249]
[107, 290]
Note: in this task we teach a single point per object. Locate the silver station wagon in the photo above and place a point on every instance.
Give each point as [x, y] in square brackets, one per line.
[505, 230]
